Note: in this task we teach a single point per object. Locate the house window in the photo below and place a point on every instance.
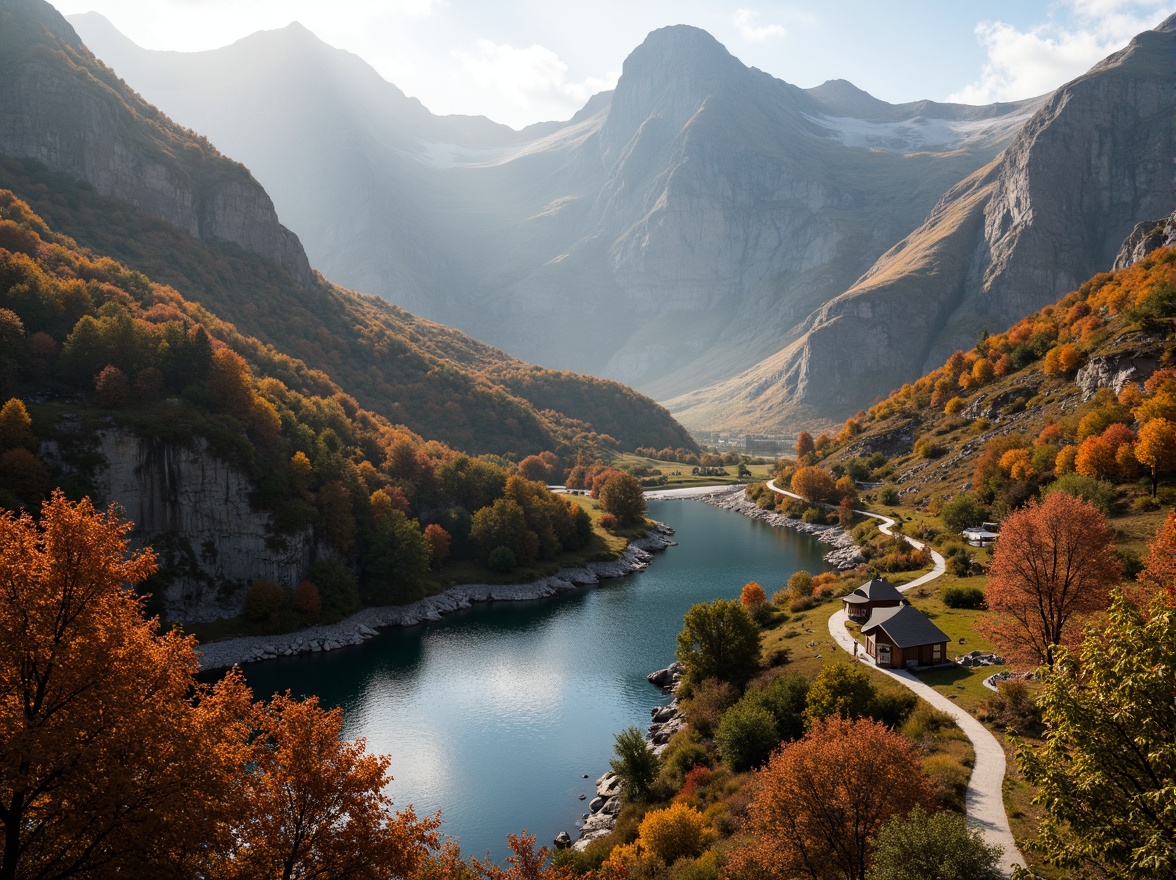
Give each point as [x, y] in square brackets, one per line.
[936, 653]
[884, 655]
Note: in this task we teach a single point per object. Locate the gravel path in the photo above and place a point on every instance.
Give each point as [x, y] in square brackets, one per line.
[983, 801]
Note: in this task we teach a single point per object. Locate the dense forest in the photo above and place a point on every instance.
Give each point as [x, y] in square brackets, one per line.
[79, 331]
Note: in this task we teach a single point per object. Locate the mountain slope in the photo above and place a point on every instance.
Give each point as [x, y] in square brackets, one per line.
[1094, 161]
[62, 108]
[438, 382]
[669, 235]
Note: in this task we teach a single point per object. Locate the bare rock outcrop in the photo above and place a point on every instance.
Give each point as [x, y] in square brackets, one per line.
[194, 509]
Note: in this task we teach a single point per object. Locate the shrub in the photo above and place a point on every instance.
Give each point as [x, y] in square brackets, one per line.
[888, 495]
[1014, 708]
[307, 601]
[746, 735]
[962, 511]
[1100, 493]
[676, 832]
[501, 560]
[936, 847]
[963, 596]
[707, 702]
[892, 708]
[265, 601]
[959, 565]
[927, 723]
[928, 447]
[337, 588]
[752, 595]
[813, 516]
[949, 779]
[608, 522]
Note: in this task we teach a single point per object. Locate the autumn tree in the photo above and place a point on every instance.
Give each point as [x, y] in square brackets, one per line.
[1156, 448]
[16, 428]
[1053, 561]
[112, 759]
[523, 863]
[813, 484]
[820, 800]
[112, 386]
[621, 495]
[804, 446]
[316, 805]
[1105, 774]
[1159, 566]
[439, 542]
[752, 595]
[677, 832]
[718, 640]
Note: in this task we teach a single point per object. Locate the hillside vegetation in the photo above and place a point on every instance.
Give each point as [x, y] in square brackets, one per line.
[87, 334]
[436, 381]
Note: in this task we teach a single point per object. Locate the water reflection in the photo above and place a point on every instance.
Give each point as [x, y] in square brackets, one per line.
[495, 713]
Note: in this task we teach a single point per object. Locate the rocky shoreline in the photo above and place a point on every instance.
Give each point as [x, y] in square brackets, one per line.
[601, 817]
[844, 555]
[364, 624]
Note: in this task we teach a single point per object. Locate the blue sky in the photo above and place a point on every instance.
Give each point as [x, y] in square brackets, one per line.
[521, 61]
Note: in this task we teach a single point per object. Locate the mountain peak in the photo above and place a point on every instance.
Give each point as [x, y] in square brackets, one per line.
[679, 49]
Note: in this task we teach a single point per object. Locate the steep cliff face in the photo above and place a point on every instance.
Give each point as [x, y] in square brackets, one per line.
[1013, 237]
[60, 106]
[710, 204]
[194, 509]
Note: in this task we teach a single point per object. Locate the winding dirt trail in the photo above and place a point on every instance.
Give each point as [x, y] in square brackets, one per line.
[983, 801]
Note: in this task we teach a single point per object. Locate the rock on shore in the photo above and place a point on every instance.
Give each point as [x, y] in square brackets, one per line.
[667, 720]
[363, 624]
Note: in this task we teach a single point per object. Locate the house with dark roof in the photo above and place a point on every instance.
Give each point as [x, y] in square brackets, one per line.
[877, 593]
[903, 636]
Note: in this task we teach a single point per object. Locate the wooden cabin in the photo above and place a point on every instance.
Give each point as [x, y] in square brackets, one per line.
[903, 636]
[877, 593]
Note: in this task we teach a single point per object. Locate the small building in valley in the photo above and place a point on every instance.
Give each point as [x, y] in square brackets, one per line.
[877, 593]
[903, 636]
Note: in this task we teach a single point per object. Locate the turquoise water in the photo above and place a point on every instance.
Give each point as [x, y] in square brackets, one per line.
[494, 714]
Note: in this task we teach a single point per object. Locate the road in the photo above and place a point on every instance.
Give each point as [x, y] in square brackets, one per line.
[983, 801]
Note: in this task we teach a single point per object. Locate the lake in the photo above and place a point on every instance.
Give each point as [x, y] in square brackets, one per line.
[494, 714]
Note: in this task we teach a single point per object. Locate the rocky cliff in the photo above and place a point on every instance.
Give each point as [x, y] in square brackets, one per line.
[194, 509]
[710, 204]
[1053, 210]
[63, 108]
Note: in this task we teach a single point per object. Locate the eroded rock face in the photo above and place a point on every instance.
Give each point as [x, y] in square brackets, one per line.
[59, 106]
[194, 509]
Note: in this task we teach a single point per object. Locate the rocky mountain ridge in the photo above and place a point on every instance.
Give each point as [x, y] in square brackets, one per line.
[711, 204]
[61, 107]
[1012, 237]
[752, 233]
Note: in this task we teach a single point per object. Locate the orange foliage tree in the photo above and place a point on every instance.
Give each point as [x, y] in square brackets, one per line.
[112, 759]
[820, 799]
[316, 805]
[439, 541]
[1159, 566]
[1156, 448]
[1054, 560]
[813, 484]
[752, 595]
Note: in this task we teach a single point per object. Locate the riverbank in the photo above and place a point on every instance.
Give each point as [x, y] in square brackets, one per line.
[366, 623]
[844, 555]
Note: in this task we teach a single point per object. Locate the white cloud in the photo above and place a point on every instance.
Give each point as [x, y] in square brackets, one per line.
[1021, 64]
[745, 23]
[526, 83]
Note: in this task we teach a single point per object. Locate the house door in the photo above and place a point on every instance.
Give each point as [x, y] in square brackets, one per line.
[884, 655]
